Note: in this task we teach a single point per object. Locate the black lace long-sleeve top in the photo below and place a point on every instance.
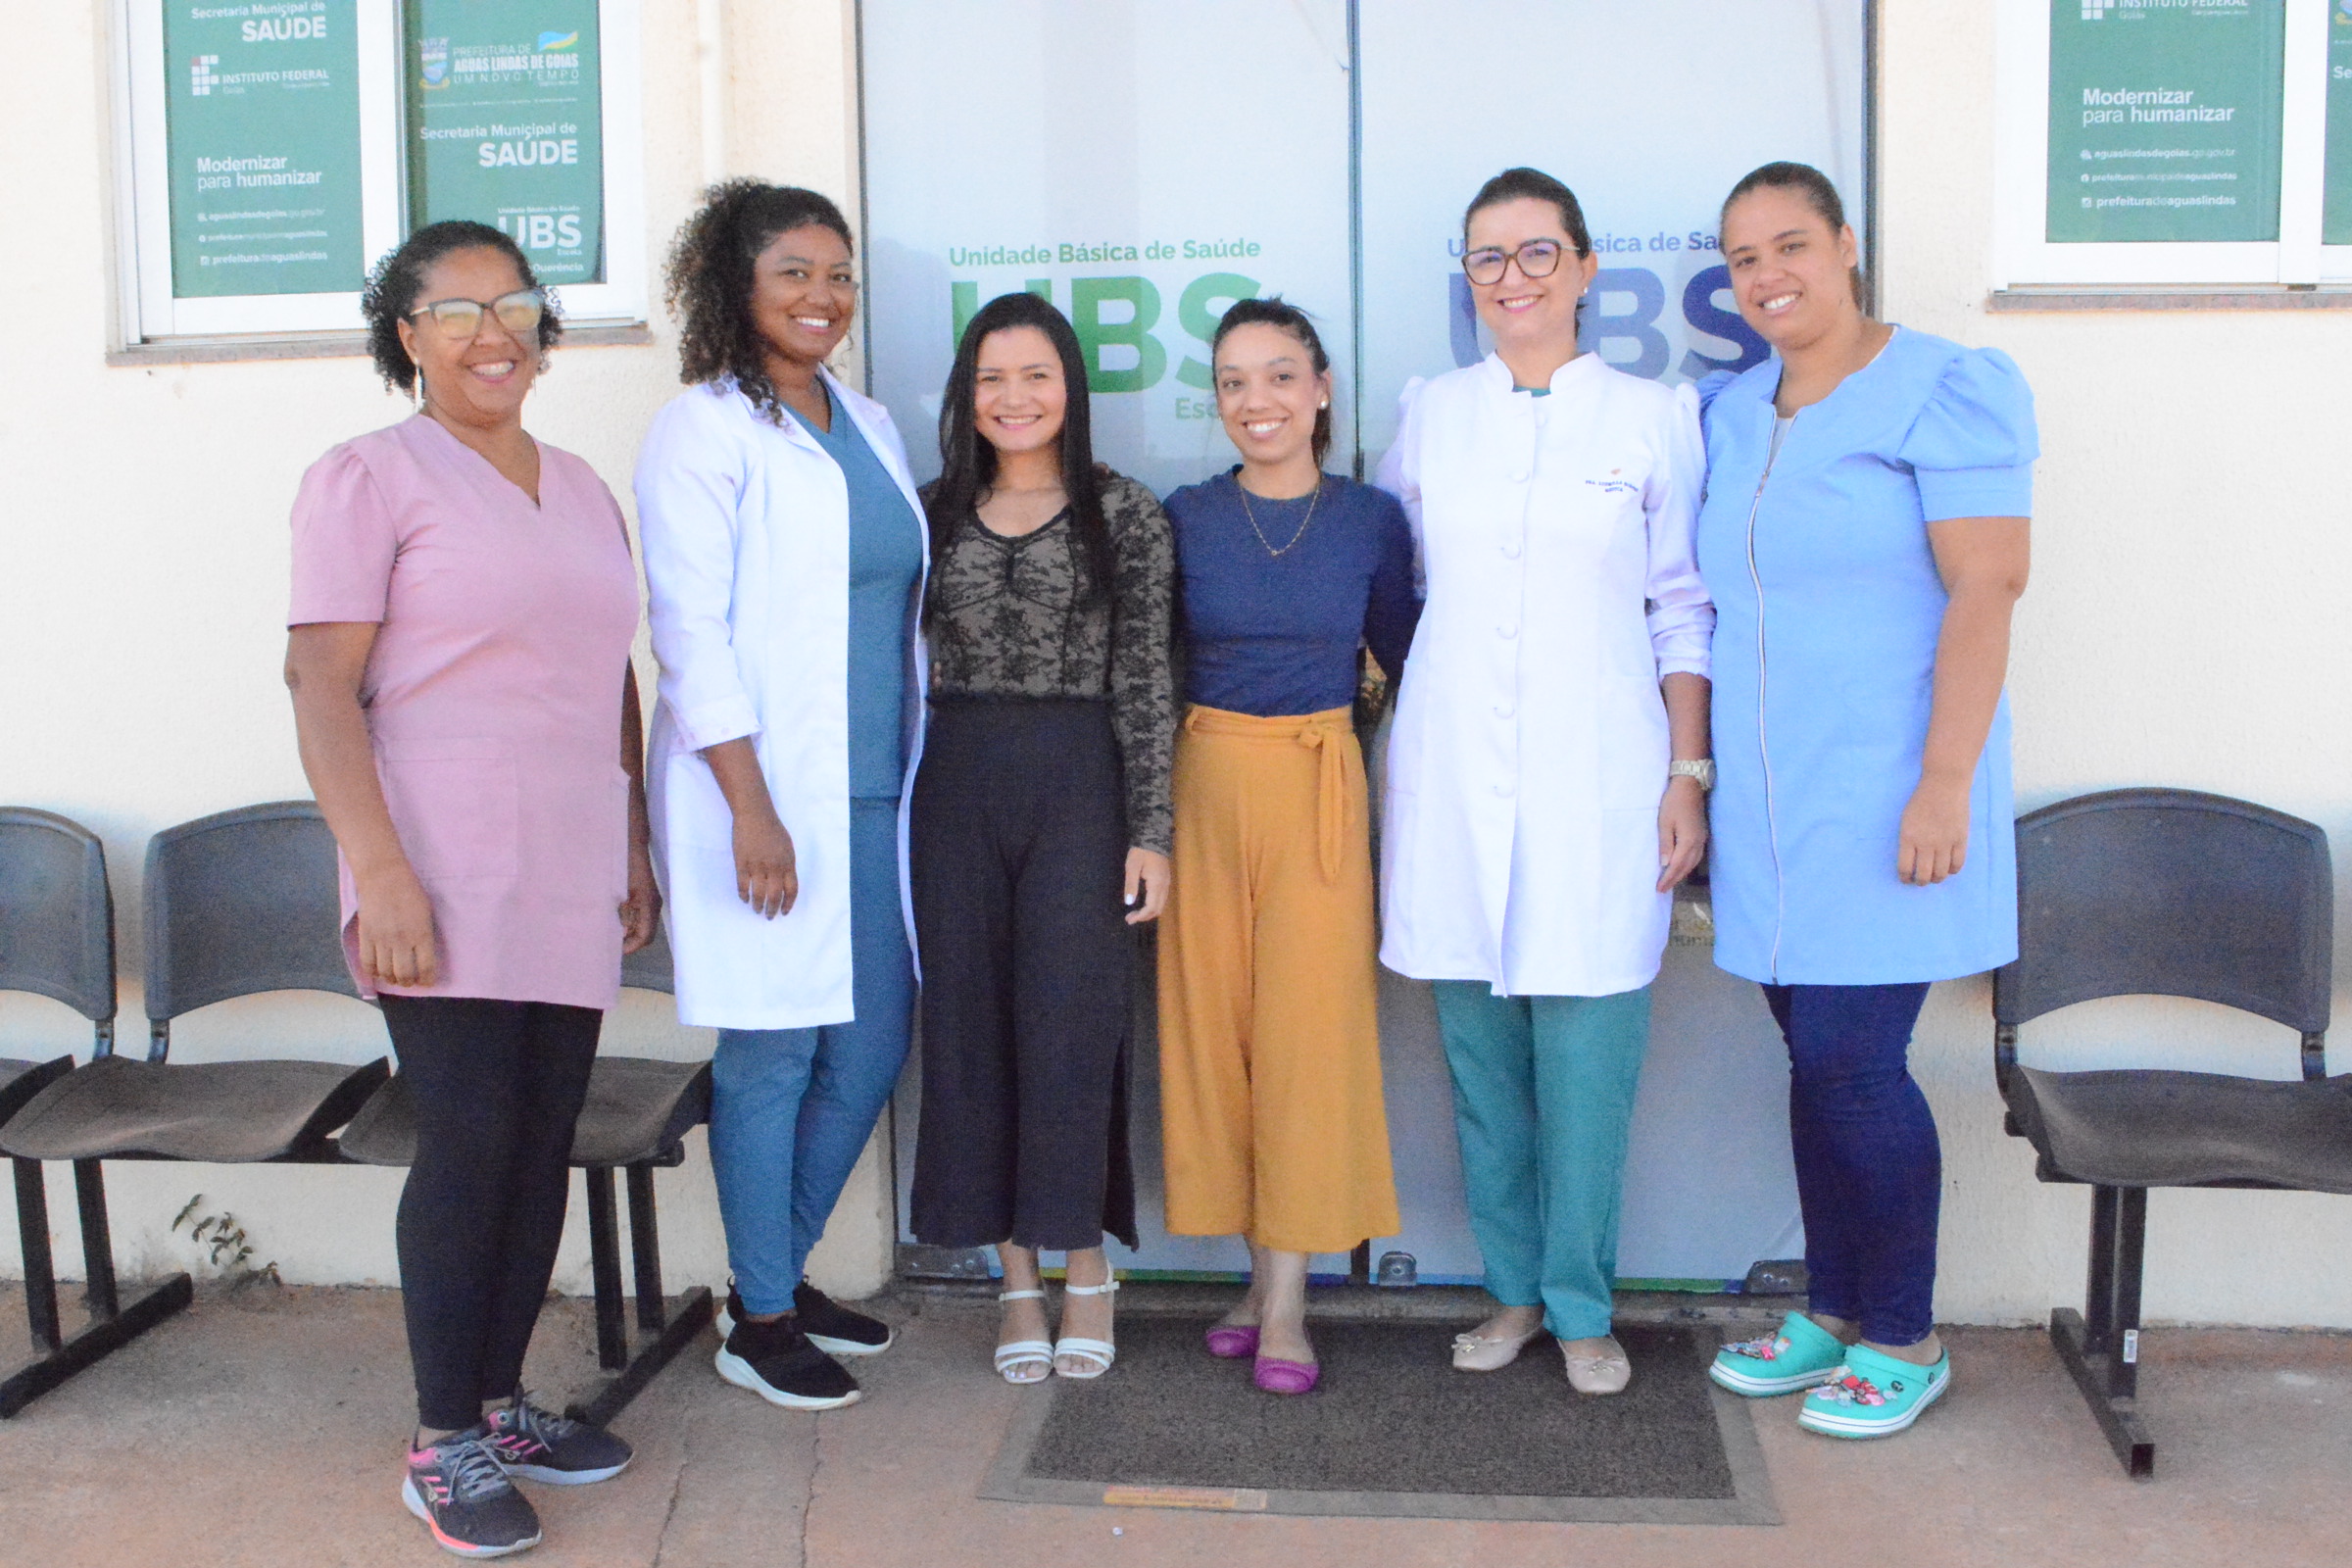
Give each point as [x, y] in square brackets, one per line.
[1005, 621]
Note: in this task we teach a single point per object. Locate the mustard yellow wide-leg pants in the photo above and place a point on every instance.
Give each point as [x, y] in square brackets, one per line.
[1269, 1046]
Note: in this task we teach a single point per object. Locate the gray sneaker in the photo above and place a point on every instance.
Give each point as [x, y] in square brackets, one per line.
[457, 1487]
[539, 1444]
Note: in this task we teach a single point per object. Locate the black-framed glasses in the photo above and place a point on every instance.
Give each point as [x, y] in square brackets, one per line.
[1538, 258]
[518, 312]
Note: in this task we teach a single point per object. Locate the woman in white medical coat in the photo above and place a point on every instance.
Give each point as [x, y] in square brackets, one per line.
[1546, 768]
[786, 555]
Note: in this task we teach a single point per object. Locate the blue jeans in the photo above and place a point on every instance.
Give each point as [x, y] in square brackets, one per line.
[791, 1108]
[1869, 1169]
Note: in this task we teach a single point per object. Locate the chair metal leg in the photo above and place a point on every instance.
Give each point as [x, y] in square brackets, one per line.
[40, 1267]
[97, 1240]
[645, 1250]
[664, 1327]
[2100, 1345]
[2131, 1250]
[603, 1256]
[2099, 1286]
[100, 1340]
[111, 1325]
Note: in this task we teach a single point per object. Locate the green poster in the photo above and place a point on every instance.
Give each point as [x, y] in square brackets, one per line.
[506, 126]
[261, 126]
[2165, 119]
[2335, 222]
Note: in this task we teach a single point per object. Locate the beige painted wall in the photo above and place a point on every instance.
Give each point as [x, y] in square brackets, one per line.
[2190, 542]
[143, 585]
[2192, 532]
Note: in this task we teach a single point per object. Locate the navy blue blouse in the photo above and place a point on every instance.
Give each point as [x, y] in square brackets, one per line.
[1274, 636]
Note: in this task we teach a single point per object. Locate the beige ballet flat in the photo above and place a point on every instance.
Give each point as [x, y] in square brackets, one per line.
[1474, 1352]
[1606, 1373]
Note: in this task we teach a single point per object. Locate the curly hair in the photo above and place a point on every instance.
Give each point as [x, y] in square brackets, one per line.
[392, 288]
[707, 281]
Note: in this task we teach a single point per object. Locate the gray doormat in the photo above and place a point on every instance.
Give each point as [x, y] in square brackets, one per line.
[1393, 1432]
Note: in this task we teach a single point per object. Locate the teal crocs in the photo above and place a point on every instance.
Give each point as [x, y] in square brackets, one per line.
[1802, 1356]
[1873, 1395]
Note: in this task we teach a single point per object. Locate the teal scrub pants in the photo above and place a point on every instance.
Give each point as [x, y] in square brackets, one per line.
[1543, 1095]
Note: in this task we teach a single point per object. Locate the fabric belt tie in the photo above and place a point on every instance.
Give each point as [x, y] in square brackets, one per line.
[1329, 733]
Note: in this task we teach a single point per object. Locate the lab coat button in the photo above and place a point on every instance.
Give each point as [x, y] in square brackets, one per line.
[1503, 789]
[1504, 710]
[1519, 477]
[1506, 629]
[1510, 552]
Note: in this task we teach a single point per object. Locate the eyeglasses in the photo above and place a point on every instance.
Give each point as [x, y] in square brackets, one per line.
[1538, 258]
[518, 312]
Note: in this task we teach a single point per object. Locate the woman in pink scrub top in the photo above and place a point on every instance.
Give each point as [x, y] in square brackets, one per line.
[459, 653]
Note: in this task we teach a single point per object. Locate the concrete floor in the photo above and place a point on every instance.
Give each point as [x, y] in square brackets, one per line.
[265, 1428]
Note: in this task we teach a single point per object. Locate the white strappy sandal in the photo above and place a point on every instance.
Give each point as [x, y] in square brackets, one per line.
[1012, 1358]
[1100, 1352]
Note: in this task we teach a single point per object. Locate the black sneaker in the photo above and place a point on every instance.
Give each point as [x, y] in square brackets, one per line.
[830, 1325]
[541, 1445]
[777, 1361]
[457, 1487]
[836, 1330]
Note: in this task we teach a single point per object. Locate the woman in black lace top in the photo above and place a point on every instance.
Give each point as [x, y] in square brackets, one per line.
[1039, 828]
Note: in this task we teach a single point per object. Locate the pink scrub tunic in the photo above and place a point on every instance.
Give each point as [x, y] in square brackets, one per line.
[492, 696]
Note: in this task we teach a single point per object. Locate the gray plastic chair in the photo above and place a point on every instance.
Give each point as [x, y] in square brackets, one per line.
[236, 905]
[56, 940]
[2155, 892]
[636, 1119]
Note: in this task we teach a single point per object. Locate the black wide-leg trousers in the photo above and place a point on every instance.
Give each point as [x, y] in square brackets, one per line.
[1020, 849]
[497, 1087]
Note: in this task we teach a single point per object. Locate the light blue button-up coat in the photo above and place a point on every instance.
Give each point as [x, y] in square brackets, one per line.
[1829, 607]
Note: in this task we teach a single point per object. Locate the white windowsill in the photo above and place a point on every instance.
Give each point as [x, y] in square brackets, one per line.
[328, 345]
[2169, 297]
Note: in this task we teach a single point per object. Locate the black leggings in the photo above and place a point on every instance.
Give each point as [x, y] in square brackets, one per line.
[497, 1087]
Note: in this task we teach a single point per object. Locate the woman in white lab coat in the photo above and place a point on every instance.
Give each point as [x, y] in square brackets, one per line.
[1546, 768]
[786, 555]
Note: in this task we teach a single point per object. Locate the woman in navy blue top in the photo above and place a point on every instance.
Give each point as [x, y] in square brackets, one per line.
[1270, 1095]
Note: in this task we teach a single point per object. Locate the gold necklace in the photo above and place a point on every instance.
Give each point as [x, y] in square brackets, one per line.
[1316, 496]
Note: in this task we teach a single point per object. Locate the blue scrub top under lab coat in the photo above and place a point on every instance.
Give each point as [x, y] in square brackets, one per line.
[886, 562]
[1828, 609]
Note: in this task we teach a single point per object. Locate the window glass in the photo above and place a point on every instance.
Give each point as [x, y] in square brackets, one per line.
[262, 123]
[1140, 164]
[2336, 226]
[505, 125]
[2165, 121]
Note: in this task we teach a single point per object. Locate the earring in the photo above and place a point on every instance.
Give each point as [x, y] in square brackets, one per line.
[416, 392]
[1324, 404]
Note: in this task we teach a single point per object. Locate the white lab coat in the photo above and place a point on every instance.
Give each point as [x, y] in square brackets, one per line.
[745, 526]
[1553, 538]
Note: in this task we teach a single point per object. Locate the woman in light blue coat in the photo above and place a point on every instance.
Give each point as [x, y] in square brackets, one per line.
[1864, 538]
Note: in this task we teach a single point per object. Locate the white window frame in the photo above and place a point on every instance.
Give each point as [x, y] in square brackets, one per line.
[149, 311]
[2024, 258]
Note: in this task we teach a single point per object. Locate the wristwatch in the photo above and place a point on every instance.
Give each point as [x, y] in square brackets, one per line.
[1702, 771]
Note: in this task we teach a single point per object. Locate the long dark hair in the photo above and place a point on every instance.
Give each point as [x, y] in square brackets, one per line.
[1814, 188]
[710, 280]
[1280, 313]
[968, 464]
